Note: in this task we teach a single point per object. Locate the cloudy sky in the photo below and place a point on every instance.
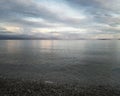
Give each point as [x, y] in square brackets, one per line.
[65, 19]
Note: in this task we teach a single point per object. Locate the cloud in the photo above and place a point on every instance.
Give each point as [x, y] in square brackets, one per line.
[98, 9]
[93, 16]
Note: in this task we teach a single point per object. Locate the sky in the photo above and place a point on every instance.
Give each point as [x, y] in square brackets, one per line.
[60, 19]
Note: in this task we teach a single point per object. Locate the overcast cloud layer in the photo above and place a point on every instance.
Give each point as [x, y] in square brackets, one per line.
[63, 19]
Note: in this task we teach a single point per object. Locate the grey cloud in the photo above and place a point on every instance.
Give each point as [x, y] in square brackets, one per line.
[32, 24]
[98, 12]
[15, 10]
[98, 9]
[102, 13]
[94, 5]
[2, 29]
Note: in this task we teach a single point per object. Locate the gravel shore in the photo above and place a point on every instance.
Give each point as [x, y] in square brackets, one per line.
[17, 87]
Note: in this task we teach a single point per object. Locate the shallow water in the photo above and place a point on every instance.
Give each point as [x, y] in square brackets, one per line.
[63, 61]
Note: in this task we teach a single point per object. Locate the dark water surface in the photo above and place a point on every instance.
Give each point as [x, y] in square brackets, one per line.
[63, 61]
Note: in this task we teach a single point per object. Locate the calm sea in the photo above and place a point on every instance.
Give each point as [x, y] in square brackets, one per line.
[63, 61]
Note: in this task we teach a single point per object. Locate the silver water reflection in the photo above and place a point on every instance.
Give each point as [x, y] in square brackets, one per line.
[63, 61]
